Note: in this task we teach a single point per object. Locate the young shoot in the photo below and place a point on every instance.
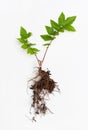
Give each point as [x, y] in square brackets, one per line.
[45, 85]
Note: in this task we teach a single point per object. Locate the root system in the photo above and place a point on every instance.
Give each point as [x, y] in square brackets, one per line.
[41, 89]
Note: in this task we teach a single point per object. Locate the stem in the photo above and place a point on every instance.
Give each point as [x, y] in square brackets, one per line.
[40, 62]
[46, 52]
[37, 58]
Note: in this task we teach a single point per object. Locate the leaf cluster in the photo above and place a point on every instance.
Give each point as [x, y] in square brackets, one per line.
[56, 27]
[53, 30]
[24, 35]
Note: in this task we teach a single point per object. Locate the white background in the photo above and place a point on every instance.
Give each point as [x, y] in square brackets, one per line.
[67, 59]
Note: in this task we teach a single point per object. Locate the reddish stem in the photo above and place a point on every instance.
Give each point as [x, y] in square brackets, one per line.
[45, 54]
[40, 62]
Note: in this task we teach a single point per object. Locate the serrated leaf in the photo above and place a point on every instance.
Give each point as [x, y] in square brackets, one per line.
[69, 20]
[50, 30]
[47, 37]
[46, 44]
[54, 25]
[70, 28]
[61, 19]
[24, 46]
[22, 40]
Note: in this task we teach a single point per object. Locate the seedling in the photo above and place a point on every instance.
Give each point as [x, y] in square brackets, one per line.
[43, 85]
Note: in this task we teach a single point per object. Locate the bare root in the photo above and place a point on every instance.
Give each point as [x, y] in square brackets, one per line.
[41, 89]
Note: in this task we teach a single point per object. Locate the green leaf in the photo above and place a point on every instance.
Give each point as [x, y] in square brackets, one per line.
[50, 30]
[61, 29]
[46, 44]
[47, 37]
[22, 40]
[35, 50]
[54, 25]
[69, 20]
[29, 34]
[24, 46]
[70, 28]
[31, 44]
[61, 19]
[30, 51]
[23, 33]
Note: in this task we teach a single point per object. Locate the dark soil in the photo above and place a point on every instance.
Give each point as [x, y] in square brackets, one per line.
[41, 89]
